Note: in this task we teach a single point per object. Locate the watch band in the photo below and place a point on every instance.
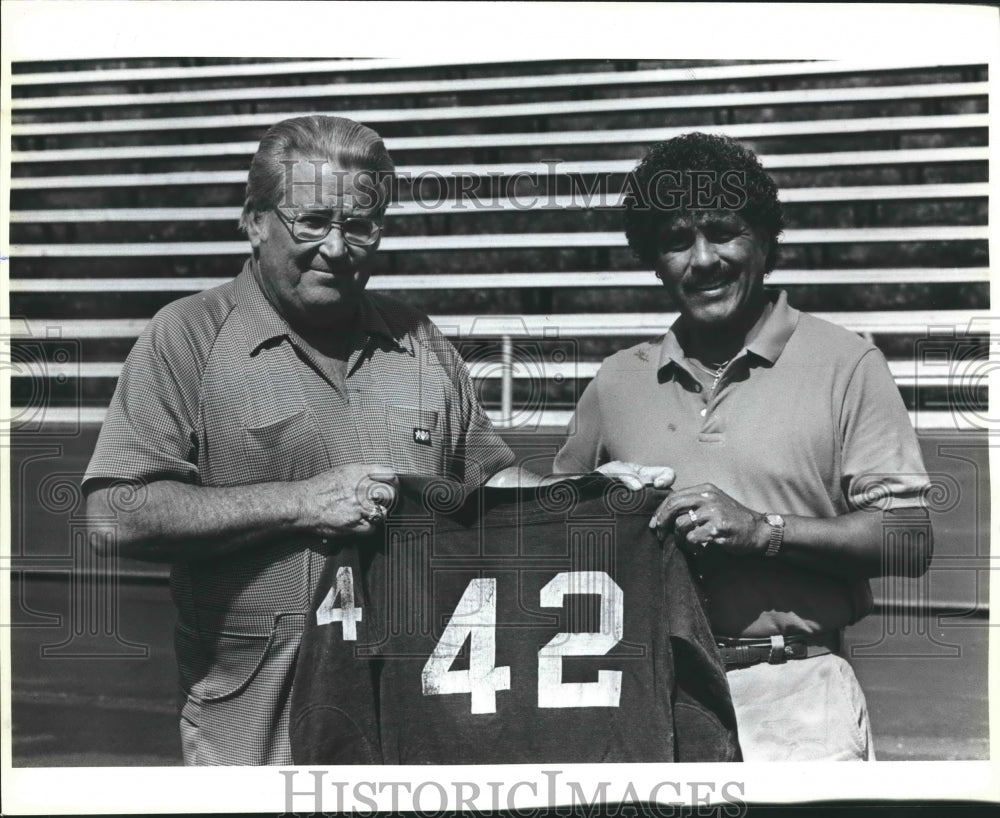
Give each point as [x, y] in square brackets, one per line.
[777, 523]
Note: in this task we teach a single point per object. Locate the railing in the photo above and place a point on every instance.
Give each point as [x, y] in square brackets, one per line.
[967, 375]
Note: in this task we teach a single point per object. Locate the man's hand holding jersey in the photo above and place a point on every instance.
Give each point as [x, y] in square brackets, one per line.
[636, 476]
[350, 499]
[705, 515]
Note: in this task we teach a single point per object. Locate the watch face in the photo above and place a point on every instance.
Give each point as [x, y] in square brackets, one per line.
[774, 519]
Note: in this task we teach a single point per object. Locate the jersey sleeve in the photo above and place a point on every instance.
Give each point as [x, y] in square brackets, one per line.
[149, 431]
[882, 464]
[333, 712]
[584, 448]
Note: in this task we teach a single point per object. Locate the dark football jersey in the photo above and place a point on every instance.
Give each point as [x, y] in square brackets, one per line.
[511, 626]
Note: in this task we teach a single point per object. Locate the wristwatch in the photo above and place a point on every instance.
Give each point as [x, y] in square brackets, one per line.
[777, 523]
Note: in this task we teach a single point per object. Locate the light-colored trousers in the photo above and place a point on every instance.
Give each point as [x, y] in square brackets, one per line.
[802, 710]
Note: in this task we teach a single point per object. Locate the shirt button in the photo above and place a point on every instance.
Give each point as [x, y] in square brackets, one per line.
[703, 412]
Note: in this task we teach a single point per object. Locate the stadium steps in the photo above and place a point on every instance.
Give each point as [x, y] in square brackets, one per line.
[882, 166]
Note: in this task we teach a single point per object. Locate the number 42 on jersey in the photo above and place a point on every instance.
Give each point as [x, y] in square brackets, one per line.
[475, 620]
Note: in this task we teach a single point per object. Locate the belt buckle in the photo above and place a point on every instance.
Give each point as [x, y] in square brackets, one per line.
[797, 650]
[777, 655]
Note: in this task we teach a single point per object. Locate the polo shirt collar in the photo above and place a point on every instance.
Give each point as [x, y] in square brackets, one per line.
[769, 337]
[372, 322]
[262, 323]
[670, 349]
[766, 340]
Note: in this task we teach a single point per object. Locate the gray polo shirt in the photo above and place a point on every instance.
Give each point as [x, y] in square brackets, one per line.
[807, 420]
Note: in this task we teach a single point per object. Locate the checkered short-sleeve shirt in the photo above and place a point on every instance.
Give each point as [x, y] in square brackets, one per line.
[218, 391]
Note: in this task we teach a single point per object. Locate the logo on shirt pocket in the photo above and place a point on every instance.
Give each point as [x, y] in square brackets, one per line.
[415, 440]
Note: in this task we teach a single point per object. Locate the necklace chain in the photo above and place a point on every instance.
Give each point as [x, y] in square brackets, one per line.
[716, 375]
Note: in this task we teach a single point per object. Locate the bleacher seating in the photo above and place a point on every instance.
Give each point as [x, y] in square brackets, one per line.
[128, 179]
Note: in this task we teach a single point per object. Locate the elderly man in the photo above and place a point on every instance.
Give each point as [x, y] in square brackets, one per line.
[260, 421]
[788, 437]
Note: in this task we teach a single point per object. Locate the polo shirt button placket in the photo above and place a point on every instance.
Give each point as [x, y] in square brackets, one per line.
[705, 398]
[715, 387]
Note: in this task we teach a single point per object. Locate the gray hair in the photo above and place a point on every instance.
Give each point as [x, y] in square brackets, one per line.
[344, 142]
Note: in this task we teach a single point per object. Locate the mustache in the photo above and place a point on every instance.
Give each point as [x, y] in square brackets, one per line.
[709, 279]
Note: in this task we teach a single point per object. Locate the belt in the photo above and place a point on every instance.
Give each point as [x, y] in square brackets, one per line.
[775, 650]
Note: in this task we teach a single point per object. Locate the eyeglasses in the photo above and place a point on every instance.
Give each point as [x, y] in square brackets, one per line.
[315, 226]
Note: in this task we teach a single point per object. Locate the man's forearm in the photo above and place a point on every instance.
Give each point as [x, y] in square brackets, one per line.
[177, 522]
[855, 544]
[849, 545]
[171, 521]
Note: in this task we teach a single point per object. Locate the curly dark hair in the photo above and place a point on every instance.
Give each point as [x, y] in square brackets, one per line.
[697, 172]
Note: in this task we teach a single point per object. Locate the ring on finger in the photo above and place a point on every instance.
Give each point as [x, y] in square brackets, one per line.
[692, 515]
[376, 515]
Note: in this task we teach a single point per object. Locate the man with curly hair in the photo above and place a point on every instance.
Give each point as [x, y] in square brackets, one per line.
[789, 440]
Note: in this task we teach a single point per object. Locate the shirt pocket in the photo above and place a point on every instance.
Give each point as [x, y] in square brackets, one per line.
[288, 449]
[237, 691]
[414, 440]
